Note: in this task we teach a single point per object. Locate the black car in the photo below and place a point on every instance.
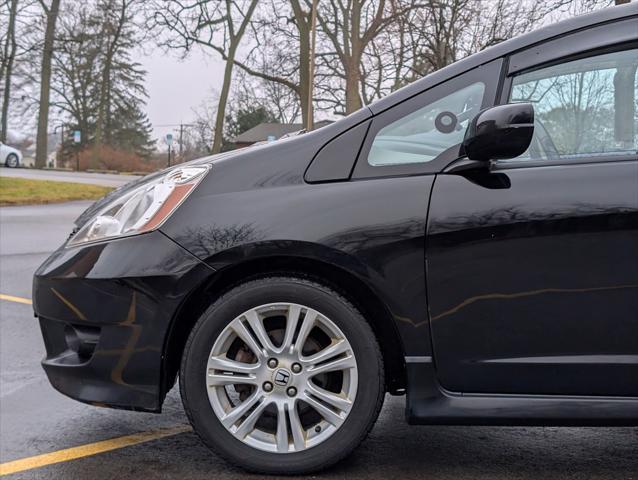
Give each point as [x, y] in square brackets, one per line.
[470, 242]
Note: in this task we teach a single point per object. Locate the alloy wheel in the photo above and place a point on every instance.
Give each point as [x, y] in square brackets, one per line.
[281, 377]
[12, 160]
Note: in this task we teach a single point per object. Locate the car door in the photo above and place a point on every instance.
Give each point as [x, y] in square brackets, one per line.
[405, 146]
[532, 265]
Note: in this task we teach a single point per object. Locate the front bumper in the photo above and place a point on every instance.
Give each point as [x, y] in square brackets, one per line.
[105, 311]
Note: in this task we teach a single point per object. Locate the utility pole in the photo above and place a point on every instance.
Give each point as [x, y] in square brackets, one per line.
[311, 65]
[181, 137]
[61, 149]
[169, 143]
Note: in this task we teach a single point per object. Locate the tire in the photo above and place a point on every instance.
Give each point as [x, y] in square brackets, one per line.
[12, 161]
[321, 443]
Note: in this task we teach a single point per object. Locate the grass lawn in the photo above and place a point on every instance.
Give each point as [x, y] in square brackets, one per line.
[20, 191]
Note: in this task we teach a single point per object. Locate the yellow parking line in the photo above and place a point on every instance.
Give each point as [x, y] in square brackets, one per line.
[88, 450]
[11, 298]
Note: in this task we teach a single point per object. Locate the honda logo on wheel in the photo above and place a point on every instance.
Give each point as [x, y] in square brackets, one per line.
[282, 376]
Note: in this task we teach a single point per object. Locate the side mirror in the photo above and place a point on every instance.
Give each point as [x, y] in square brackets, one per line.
[500, 132]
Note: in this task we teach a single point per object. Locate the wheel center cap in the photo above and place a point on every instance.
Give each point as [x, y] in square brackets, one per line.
[282, 377]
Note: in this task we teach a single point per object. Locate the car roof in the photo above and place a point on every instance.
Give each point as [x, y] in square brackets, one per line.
[508, 47]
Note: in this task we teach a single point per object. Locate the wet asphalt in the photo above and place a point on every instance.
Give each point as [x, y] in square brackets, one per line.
[35, 419]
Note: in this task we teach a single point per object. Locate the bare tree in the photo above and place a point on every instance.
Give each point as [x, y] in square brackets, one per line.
[281, 52]
[117, 16]
[217, 25]
[21, 38]
[121, 92]
[75, 76]
[366, 48]
[203, 126]
[350, 28]
[51, 12]
[444, 31]
[6, 66]
[282, 101]
[97, 83]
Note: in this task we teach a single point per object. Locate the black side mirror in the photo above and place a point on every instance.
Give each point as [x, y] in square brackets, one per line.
[500, 132]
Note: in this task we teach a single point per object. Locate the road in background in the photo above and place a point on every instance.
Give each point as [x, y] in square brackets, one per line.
[35, 419]
[103, 179]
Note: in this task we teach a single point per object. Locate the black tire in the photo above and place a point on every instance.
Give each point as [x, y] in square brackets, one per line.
[12, 161]
[361, 417]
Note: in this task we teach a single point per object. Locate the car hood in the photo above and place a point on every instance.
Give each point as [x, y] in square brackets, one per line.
[9, 149]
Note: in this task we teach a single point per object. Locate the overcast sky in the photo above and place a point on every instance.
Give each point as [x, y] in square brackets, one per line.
[176, 87]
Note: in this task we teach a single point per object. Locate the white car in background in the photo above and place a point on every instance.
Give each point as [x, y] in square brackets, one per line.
[9, 156]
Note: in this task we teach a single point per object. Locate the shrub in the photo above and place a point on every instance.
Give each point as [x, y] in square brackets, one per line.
[110, 158]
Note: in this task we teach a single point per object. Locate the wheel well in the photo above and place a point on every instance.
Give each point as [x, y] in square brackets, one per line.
[347, 284]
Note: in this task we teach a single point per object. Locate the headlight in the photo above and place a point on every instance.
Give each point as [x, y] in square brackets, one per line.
[143, 209]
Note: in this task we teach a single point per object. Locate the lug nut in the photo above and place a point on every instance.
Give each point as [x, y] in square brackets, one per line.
[296, 368]
[292, 391]
[267, 386]
[272, 362]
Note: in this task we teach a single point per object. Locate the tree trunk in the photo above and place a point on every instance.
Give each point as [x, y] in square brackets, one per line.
[303, 90]
[103, 108]
[45, 85]
[218, 133]
[235, 39]
[304, 60]
[353, 78]
[6, 73]
[353, 63]
[103, 124]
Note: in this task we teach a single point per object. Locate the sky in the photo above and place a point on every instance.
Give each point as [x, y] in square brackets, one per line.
[176, 87]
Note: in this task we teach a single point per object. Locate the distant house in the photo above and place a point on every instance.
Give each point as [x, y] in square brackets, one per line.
[268, 132]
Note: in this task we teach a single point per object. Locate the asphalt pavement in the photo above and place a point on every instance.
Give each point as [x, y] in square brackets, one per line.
[103, 179]
[35, 419]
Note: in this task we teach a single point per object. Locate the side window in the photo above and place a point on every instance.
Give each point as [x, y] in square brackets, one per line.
[422, 135]
[583, 108]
